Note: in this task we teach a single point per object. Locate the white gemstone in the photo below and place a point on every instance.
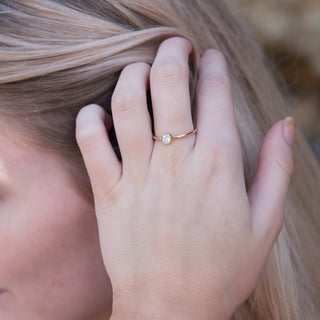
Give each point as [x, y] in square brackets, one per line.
[166, 138]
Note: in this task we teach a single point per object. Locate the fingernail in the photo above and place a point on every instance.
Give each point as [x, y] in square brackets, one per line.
[289, 130]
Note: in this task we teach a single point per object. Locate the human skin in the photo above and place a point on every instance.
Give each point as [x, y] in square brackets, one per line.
[50, 264]
[191, 242]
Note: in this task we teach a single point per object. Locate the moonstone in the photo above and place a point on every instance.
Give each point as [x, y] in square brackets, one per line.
[166, 138]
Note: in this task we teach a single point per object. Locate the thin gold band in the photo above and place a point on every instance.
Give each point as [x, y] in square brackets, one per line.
[167, 138]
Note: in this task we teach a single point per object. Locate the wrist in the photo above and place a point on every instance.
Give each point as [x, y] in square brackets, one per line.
[155, 310]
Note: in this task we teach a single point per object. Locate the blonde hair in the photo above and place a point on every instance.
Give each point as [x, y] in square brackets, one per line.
[57, 56]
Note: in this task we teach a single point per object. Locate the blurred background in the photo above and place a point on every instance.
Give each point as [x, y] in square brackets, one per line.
[289, 31]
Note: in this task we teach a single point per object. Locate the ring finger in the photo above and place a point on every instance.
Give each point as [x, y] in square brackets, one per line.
[169, 83]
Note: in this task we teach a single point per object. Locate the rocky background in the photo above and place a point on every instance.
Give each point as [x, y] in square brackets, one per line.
[289, 31]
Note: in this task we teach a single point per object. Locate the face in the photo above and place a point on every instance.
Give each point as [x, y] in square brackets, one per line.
[50, 262]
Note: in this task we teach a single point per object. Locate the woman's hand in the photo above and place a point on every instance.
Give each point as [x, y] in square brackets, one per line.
[180, 236]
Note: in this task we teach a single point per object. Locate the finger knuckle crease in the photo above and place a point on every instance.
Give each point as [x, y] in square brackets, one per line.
[214, 83]
[172, 164]
[112, 195]
[127, 100]
[88, 134]
[170, 69]
[285, 165]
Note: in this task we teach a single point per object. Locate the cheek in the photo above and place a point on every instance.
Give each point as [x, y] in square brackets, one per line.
[53, 260]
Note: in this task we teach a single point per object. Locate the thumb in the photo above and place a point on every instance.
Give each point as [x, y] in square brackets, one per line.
[268, 192]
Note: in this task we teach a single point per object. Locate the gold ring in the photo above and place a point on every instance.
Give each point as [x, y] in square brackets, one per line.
[167, 138]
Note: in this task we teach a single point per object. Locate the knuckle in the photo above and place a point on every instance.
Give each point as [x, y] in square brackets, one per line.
[172, 163]
[222, 159]
[126, 99]
[223, 154]
[170, 69]
[112, 194]
[81, 117]
[88, 134]
[213, 83]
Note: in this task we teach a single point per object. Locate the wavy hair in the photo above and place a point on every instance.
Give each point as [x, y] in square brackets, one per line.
[58, 55]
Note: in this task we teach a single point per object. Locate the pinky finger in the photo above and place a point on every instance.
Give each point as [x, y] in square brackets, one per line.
[268, 192]
[102, 164]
